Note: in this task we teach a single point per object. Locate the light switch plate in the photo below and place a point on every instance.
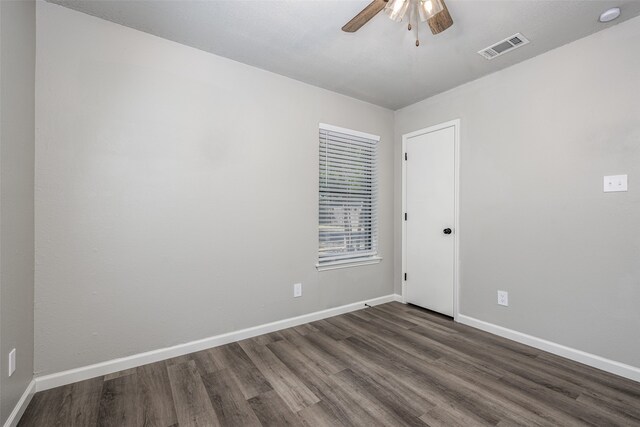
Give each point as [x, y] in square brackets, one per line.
[12, 361]
[615, 183]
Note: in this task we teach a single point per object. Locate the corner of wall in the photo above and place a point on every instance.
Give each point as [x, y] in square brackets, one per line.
[17, 144]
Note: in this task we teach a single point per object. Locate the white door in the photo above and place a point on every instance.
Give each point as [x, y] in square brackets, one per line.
[430, 218]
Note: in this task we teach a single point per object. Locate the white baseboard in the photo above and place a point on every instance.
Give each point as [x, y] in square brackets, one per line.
[627, 371]
[46, 382]
[21, 406]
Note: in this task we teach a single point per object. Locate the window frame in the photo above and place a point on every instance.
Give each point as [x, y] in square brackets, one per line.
[369, 259]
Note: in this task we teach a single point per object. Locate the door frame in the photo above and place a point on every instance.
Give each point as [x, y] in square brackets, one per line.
[456, 222]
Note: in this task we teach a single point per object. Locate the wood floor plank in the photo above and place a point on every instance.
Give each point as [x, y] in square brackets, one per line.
[381, 403]
[588, 377]
[478, 349]
[228, 401]
[305, 329]
[522, 366]
[383, 331]
[515, 399]
[336, 401]
[44, 408]
[422, 343]
[266, 338]
[271, 410]
[448, 417]
[501, 406]
[479, 381]
[292, 391]
[586, 413]
[118, 402]
[120, 374]
[330, 330]
[388, 374]
[400, 320]
[320, 414]
[367, 402]
[392, 364]
[250, 379]
[422, 378]
[210, 360]
[81, 403]
[185, 358]
[419, 316]
[154, 397]
[326, 361]
[612, 409]
[192, 404]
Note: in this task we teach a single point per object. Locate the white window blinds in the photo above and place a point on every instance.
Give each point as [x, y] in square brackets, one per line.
[348, 215]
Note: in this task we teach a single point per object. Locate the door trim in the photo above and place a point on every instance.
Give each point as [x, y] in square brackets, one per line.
[456, 212]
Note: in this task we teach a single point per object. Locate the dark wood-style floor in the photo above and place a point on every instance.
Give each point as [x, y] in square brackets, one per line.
[390, 365]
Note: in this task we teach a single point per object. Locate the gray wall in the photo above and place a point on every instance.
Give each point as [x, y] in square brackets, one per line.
[17, 65]
[536, 141]
[176, 194]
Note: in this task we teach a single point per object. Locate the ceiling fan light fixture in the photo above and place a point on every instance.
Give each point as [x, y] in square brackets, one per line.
[429, 8]
[434, 12]
[396, 9]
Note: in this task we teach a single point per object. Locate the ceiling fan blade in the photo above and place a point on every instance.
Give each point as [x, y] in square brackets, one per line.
[440, 21]
[364, 16]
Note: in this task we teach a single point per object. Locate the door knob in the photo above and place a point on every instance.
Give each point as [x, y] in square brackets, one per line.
[447, 231]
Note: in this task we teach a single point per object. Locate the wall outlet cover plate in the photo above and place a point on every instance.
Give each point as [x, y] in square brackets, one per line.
[615, 183]
[503, 298]
[297, 290]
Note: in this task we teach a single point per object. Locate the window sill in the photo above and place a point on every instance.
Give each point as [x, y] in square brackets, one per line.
[349, 263]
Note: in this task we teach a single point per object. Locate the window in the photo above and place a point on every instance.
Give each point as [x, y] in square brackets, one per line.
[348, 214]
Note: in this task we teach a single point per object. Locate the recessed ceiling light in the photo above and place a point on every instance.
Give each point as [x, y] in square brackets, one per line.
[610, 14]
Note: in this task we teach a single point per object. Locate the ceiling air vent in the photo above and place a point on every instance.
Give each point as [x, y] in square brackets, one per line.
[504, 46]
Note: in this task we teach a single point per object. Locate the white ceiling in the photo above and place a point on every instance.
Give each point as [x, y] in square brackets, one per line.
[380, 64]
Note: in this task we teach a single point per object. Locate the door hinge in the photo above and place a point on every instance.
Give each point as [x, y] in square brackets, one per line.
[405, 216]
[405, 156]
[405, 277]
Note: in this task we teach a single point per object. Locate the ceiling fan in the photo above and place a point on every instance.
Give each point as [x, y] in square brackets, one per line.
[434, 12]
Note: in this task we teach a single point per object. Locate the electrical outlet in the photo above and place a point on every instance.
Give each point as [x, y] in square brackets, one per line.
[615, 183]
[297, 290]
[12, 361]
[503, 298]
